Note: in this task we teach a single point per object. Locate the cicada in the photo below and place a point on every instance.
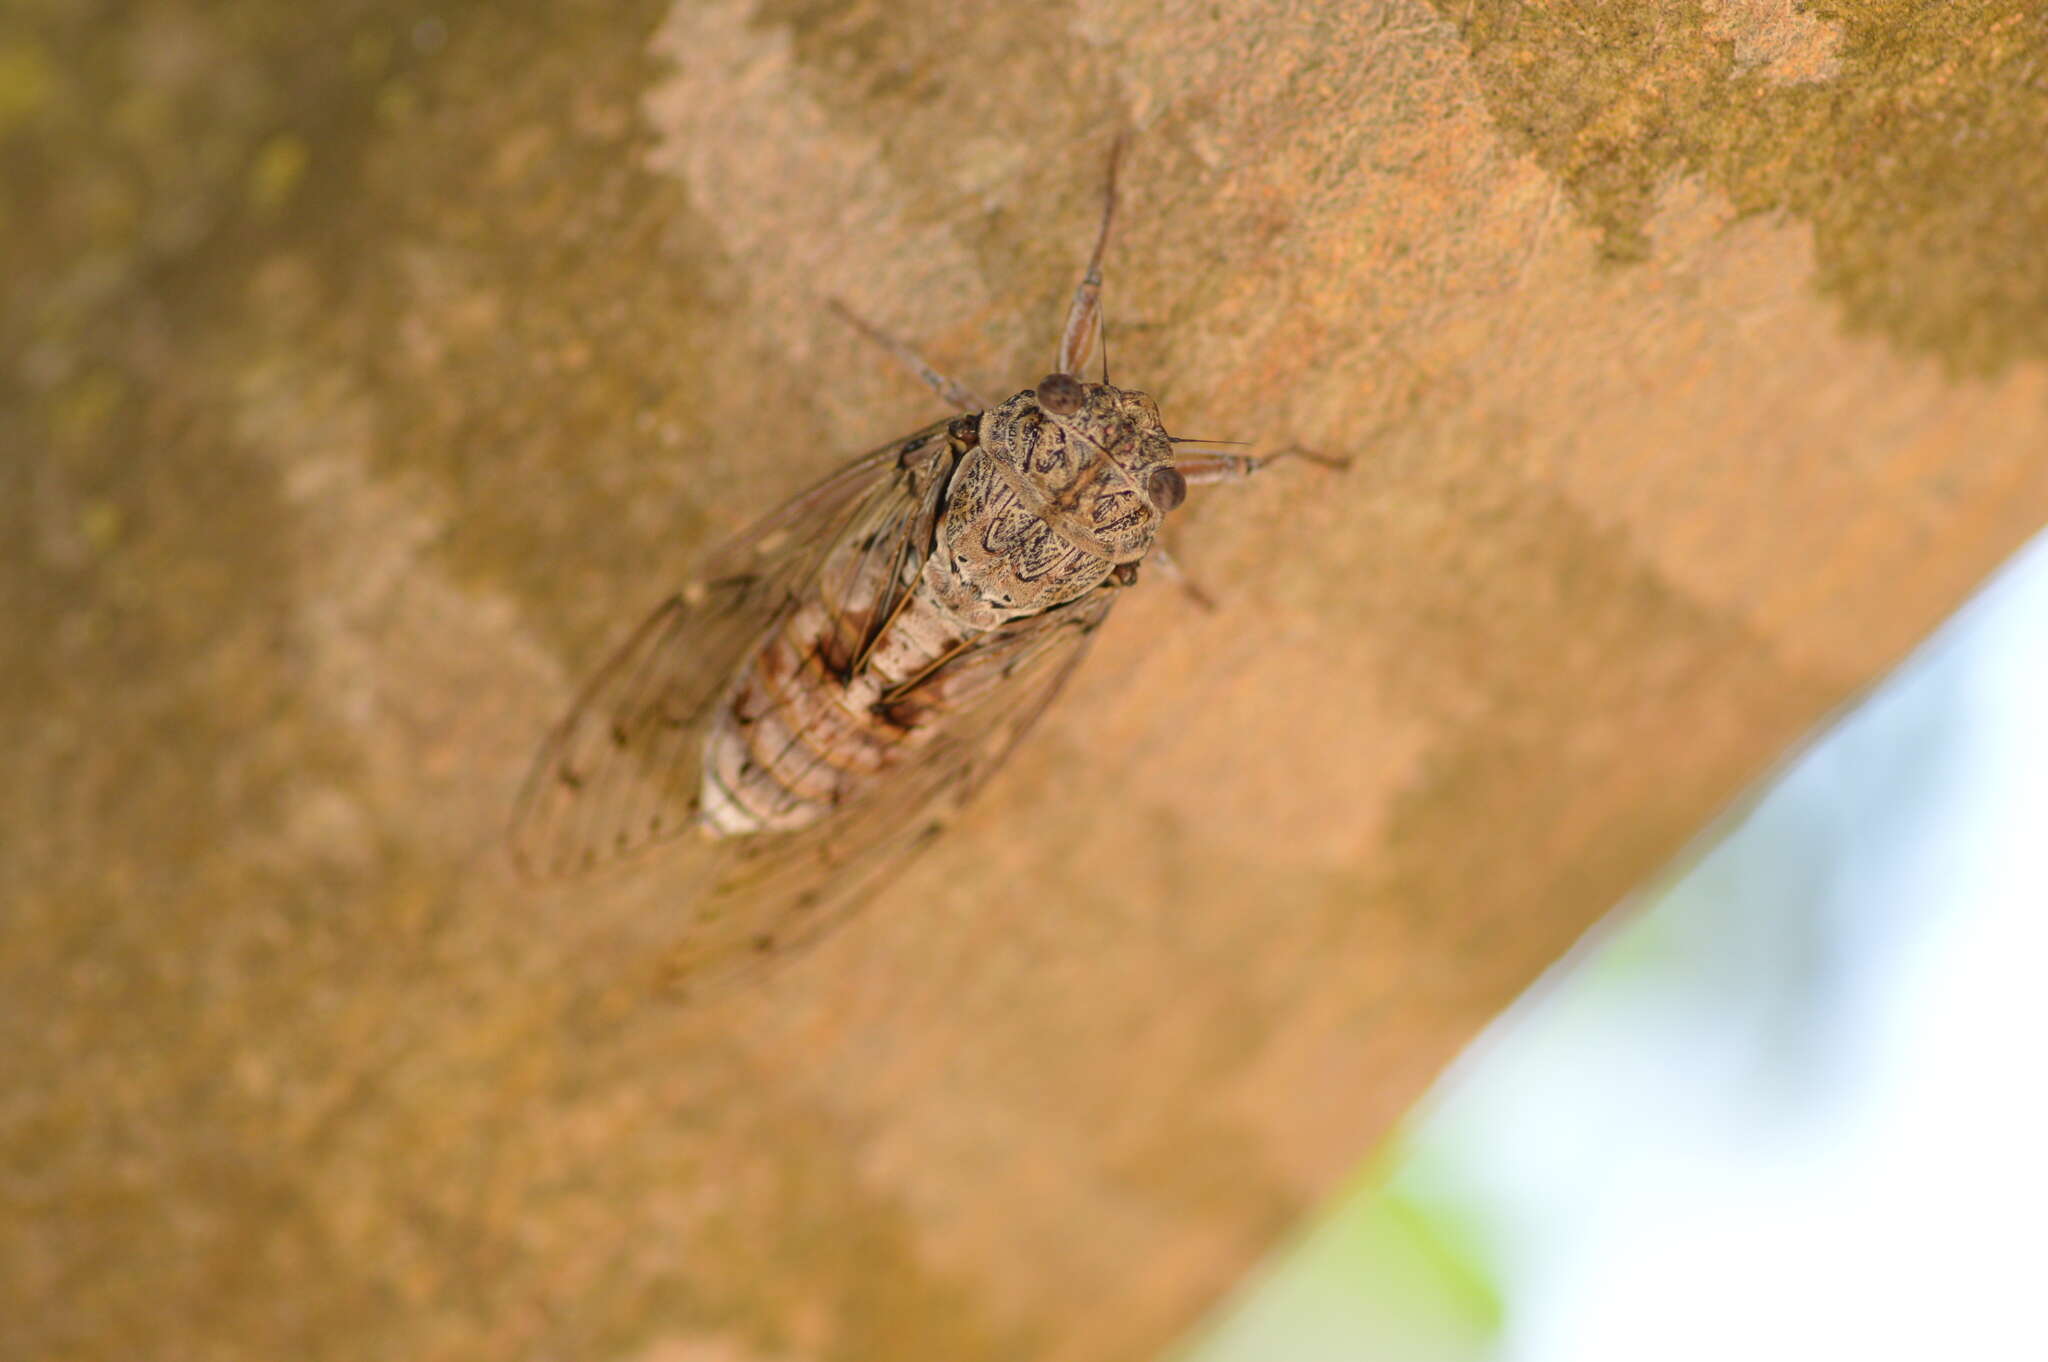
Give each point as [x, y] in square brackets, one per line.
[843, 675]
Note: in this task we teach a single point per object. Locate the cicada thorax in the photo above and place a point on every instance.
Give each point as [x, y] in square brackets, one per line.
[1045, 508]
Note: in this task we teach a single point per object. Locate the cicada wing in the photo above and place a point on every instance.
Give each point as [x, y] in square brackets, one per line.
[619, 772]
[780, 892]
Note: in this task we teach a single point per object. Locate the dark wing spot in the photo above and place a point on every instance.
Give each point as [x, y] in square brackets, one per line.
[906, 715]
[830, 657]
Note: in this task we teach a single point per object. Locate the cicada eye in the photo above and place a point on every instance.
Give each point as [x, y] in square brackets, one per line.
[1060, 394]
[1167, 488]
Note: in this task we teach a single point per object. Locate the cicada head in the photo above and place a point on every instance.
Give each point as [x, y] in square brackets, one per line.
[1097, 458]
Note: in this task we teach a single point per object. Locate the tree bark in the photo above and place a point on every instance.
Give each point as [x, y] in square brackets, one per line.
[369, 374]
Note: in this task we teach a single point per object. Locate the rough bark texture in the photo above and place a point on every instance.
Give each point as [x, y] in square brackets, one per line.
[368, 372]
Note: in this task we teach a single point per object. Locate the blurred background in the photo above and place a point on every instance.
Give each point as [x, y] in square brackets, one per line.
[1789, 1105]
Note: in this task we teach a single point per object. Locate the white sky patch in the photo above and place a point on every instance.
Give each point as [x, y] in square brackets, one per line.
[1657, 1186]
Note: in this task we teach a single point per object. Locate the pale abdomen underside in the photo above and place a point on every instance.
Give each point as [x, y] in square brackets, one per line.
[811, 722]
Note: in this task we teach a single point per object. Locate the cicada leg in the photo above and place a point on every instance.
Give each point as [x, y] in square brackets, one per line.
[1175, 573]
[1077, 337]
[1206, 466]
[952, 392]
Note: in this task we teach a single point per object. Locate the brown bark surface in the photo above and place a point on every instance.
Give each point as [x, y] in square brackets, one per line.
[369, 372]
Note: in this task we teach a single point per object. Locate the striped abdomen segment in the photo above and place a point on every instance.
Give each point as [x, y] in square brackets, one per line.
[804, 731]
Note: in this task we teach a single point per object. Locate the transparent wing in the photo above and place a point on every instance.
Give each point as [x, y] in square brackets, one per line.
[619, 772]
[779, 892]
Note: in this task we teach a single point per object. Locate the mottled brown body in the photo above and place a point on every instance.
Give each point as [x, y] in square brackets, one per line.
[868, 654]
[1034, 511]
